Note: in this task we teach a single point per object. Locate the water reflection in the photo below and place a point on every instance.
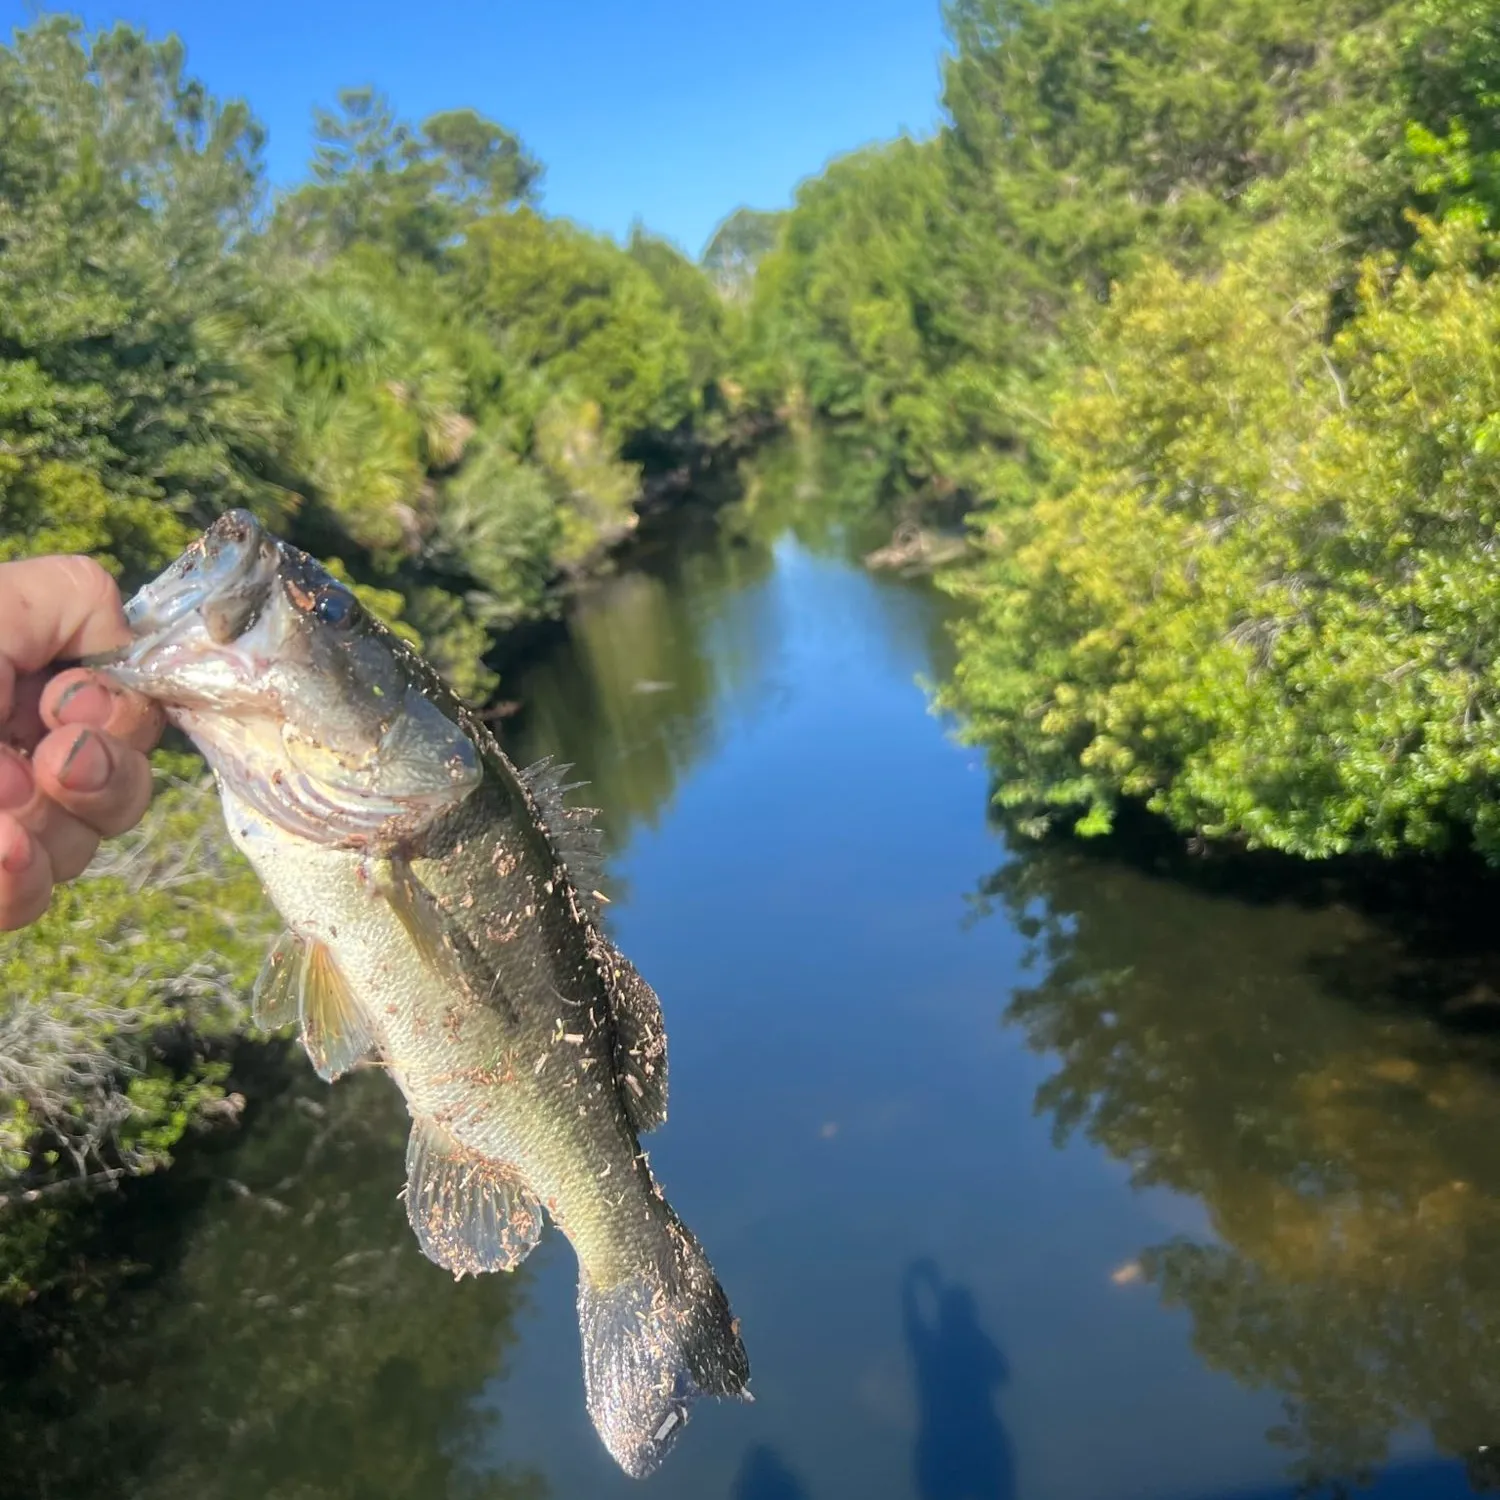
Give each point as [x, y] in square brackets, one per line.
[634, 691]
[962, 1452]
[299, 1346]
[1347, 1154]
[764, 1476]
[627, 694]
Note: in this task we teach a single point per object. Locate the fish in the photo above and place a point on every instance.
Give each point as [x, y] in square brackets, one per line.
[442, 923]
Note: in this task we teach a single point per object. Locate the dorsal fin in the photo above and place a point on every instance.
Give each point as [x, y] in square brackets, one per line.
[640, 1038]
[575, 840]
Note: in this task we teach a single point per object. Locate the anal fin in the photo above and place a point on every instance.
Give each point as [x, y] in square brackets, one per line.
[470, 1214]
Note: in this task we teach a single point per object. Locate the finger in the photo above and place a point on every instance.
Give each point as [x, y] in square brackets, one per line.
[25, 876]
[67, 842]
[82, 697]
[99, 780]
[22, 727]
[62, 839]
[51, 607]
[17, 786]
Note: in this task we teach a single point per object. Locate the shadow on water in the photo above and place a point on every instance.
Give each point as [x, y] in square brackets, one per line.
[1297, 1059]
[765, 1476]
[962, 1451]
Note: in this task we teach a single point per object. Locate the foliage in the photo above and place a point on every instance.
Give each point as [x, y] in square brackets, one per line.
[555, 298]
[927, 289]
[736, 247]
[116, 1009]
[693, 298]
[1196, 306]
[852, 308]
[377, 180]
[1255, 590]
[403, 367]
[125, 321]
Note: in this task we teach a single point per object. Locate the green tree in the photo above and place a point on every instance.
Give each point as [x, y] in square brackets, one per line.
[694, 301]
[737, 246]
[574, 306]
[126, 316]
[1255, 592]
[378, 180]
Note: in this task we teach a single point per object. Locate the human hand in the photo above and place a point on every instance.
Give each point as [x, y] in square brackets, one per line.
[73, 765]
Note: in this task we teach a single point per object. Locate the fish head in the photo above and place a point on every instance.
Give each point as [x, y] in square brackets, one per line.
[304, 703]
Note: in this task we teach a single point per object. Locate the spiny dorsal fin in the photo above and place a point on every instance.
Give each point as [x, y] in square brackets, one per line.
[469, 1213]
[336, 1033]
[577, 843]
[640, 1039]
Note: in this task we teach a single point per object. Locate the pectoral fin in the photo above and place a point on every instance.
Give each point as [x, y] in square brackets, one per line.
[469, 1213]
[441, 944]
[419, 913]
[335, 1031]
[273, 1003]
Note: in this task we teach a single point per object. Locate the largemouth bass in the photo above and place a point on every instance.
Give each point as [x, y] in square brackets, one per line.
[440, 922]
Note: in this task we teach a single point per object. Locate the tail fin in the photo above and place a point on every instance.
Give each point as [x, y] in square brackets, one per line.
[652, 1345]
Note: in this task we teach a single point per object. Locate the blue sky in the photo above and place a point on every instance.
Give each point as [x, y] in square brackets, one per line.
[676, 112]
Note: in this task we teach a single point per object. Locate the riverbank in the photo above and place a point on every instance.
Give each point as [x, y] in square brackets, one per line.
[1193, 1136]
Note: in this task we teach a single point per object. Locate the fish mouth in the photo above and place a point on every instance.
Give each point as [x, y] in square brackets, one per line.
[200, 605]
[222, 566]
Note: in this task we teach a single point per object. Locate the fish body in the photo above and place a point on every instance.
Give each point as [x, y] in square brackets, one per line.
[440, 921]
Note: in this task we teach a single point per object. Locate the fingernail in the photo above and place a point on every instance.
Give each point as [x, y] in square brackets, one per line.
[88, 764]
[86, 701]
[15, 780]
[16, 850]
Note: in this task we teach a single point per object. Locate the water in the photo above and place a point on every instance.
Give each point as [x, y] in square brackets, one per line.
[1031, 1172]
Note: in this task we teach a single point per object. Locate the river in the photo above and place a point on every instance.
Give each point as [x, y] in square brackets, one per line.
[1034, 1172]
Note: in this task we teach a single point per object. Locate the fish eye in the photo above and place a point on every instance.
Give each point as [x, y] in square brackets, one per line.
[334, 606]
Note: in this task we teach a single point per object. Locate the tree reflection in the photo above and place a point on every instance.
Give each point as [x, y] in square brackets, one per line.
[1346, 1152]
[632, 695]
[627, 695]
[300, 1348]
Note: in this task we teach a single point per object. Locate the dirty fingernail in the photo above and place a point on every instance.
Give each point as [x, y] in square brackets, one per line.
[88, 764]
[84, 702]
[15, 780]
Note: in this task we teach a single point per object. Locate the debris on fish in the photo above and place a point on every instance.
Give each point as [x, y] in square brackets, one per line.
[441, 918]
